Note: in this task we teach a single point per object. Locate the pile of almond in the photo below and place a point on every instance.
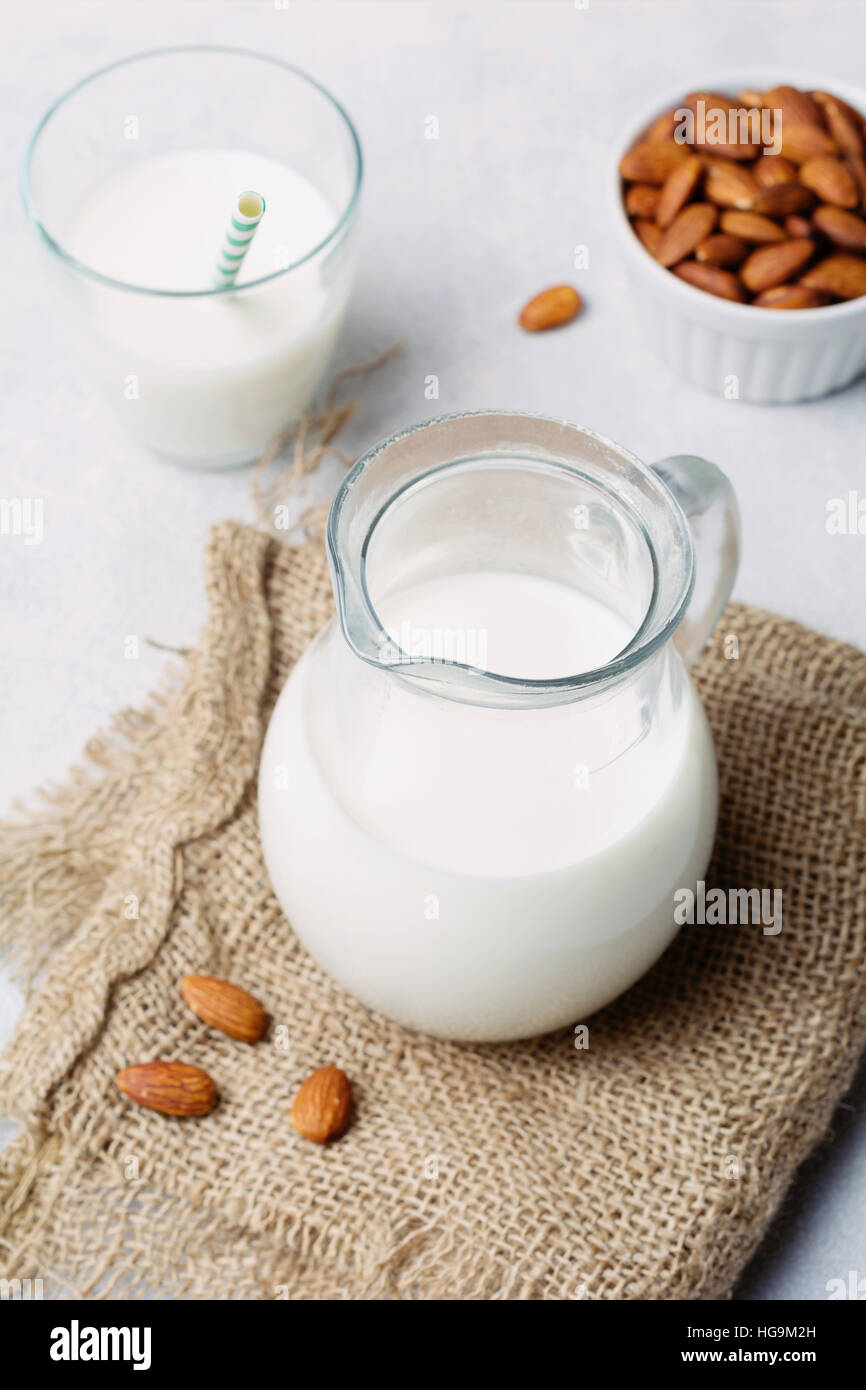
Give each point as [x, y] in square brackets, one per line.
[783, 230]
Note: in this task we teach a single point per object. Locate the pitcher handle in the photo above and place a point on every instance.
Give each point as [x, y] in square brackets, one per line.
[710, 504]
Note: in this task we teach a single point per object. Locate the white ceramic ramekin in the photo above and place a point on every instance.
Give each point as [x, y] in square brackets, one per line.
[736, 350]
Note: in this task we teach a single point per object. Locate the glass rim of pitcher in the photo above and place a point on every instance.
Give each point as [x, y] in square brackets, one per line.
[643, 643]
[211, 291]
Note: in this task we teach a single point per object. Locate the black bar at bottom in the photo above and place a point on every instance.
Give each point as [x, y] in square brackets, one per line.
[224, 1340]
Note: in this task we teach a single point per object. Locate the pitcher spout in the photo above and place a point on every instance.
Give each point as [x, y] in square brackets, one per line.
[501, 491]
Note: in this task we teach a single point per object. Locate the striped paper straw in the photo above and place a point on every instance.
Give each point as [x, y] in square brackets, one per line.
[247, 213]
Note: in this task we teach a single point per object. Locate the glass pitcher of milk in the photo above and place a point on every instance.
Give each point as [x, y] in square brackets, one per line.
[485, 781]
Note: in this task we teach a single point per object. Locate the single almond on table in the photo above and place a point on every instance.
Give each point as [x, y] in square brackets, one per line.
[791, 297]
[322, 1107]
[649, 233]
[677, 188]
[641, 200]
[843, 228]
[751, 226]
[831, 180]
[225, 1006]
[773, 168]
[712, 279]
[688, 228]
[729, 185]
[550, 309]
[841, 275]
[772, 265]
[173, 1088]
[651, 163]
[803, 142]
[780, 199]
[722, 249]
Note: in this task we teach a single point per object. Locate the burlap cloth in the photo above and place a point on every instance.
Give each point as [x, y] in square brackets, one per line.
[647, 1166]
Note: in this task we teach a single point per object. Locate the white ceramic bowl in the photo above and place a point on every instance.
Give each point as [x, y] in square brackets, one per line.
[736, 350]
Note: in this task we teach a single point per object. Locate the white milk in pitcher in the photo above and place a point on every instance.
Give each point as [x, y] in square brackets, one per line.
[486, 873]
[213, 379]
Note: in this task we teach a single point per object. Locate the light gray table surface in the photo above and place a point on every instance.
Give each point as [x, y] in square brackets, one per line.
[457, 233]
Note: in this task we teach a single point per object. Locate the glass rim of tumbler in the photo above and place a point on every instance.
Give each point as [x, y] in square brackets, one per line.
[53, 245]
